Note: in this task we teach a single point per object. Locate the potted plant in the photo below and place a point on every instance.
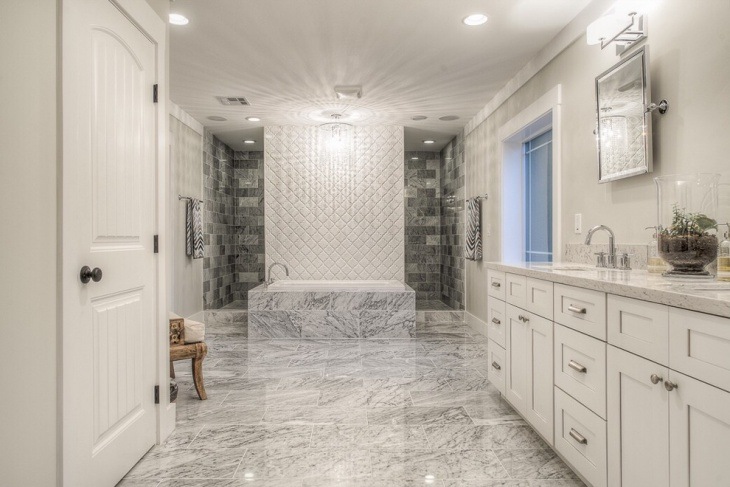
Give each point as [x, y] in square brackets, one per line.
[686, 245]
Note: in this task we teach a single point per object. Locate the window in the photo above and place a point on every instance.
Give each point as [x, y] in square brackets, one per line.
[538, 204]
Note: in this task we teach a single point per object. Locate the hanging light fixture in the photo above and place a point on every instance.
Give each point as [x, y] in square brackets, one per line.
[336, 141]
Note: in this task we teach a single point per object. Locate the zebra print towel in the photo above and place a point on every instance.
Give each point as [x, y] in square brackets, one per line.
[473, 249]
[194, 229]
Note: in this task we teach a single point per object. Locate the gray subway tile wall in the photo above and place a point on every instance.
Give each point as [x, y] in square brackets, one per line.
[219, 272]
[423, 223]
[452, 223]
[249, 221]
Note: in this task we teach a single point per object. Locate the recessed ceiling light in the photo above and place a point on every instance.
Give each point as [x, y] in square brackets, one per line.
[414, 158]
[177, 19]
[249, 141]
[475, 19]
[419, 117]
[216, 118]
[253, 119]
[448, 118]
[429, 141]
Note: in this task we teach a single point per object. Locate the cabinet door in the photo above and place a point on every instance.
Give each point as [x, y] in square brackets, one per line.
[496, 368]
[516, 292]
[539, 398]
[638, 419]
[517, 363]
[496, 321]
[540, 297]
[699, 433]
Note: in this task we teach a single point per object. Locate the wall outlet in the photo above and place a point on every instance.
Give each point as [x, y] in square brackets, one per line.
[578, 226]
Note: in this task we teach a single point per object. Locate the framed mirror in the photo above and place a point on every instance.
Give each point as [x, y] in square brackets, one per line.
[623, 132]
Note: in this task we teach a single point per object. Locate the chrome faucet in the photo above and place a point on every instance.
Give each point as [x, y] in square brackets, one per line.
[271, 279]
[610, 261]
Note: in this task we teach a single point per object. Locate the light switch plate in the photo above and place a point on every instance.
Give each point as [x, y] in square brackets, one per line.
[578, 226]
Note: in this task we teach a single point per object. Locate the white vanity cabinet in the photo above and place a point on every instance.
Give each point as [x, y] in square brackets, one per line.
[630, 392]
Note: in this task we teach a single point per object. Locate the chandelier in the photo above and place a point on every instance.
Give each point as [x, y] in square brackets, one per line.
[335, 145]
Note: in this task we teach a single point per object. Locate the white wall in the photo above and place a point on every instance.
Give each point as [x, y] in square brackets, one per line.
[186, 160]
[335, 222]
[689, 51]
[28, 238]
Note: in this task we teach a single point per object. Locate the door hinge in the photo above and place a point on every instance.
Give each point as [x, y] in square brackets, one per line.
[156, 245]
[157, 394]
[154, 93]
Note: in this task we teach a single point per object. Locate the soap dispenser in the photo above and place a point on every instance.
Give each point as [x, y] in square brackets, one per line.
[723, 257]
[654, 263]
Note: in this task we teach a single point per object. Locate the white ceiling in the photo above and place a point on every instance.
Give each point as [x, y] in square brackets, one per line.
[412, 57]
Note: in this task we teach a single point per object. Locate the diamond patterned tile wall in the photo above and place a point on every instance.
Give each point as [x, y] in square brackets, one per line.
[334, 222]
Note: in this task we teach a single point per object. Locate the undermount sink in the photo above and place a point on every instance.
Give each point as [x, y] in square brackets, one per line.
[560, 267]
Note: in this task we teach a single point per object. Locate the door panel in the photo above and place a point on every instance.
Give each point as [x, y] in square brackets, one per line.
[517, 364]
[539, 411]
[699, 430]
[638, 421]
[109, 204]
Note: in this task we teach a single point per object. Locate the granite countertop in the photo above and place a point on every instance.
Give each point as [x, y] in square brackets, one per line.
[703, 295]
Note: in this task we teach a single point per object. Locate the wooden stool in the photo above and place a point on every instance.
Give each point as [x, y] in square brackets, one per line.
[179, 350]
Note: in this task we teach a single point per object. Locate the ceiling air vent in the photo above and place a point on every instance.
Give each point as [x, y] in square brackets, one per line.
[233, 100]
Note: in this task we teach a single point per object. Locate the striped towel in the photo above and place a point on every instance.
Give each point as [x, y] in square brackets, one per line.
[194, 229]
[473, 249]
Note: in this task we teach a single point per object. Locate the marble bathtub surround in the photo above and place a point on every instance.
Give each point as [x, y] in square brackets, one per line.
[366, 412]
[363, 313]
[705, 296]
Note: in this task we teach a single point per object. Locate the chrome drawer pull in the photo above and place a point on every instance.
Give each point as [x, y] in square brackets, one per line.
[496, 321]
[496, 284]
[523, 319]
[575, 309]
[577, 367]
[496, 366]
[655, 379]
[578, 437]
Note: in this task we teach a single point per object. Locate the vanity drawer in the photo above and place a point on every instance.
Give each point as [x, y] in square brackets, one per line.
[496, 284]
[639, 327]
[580, 368]
[580, 437]
[539, 297]
[699, 346]
[516, 290]
[496, 321]
[496, 365]
[581, 309]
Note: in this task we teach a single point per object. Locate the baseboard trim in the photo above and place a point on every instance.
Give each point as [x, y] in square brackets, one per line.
[475, 323]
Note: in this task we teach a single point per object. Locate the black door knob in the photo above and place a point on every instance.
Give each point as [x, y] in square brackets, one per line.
[87, 274]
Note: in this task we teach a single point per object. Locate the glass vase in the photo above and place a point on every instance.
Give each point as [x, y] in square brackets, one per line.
[687, 212]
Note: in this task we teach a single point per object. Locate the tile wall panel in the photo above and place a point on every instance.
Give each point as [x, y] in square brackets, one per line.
[423, 223]
[328, 222]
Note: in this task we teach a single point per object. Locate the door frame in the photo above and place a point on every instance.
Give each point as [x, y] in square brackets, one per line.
[152, 26]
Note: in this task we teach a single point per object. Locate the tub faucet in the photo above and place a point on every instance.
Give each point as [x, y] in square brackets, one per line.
[610, 261]
[271, 279]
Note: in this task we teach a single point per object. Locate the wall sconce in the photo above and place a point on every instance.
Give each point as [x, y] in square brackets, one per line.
[622, 27]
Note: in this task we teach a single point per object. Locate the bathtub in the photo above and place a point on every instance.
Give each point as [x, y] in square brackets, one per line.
[352, 285]
[332, 309]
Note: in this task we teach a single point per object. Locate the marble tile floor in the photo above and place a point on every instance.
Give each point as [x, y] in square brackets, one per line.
[432, 305]
[353, 413]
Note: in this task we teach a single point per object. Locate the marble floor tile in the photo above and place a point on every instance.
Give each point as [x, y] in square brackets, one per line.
[438, 465]
[305, 462]
[466, 437]
[353, 412]
[315, 415]
[418, 415]
[369, 436]
[287, 397]
[261, 436]
[534, 464]
[188, 463]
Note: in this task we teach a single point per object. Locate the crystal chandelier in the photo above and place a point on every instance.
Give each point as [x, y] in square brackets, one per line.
[335, 143]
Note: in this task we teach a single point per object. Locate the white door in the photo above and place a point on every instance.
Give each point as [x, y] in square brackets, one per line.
[638, 421]
[699, 433]
[539, 353]
[109, 211]
[517, 363]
